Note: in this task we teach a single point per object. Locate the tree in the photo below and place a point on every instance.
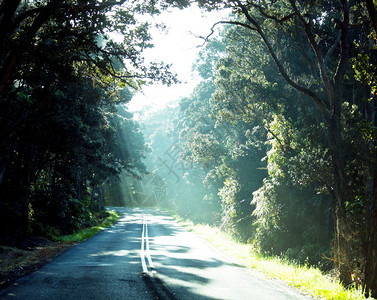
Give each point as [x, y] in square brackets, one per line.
[323, 35]
[73, 28]
[284, 135]
[60, 76]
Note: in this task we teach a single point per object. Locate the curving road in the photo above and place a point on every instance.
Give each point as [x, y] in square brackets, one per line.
[146, 255]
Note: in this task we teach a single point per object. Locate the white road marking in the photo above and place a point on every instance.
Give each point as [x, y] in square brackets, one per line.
[145, 250]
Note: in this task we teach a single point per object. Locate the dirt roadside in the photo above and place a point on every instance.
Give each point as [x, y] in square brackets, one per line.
[16, 262]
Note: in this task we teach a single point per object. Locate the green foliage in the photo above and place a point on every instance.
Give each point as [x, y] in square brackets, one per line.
[64, 133]
[365, 71]
[320, 128]
[260, 138]
[101, 220]
[292, 223]
[302, 276]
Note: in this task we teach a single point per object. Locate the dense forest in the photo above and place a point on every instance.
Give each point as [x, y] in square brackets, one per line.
[276, 145]
[64, 131]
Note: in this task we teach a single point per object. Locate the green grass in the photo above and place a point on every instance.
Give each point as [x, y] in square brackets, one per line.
[86, 233]
[309, 279]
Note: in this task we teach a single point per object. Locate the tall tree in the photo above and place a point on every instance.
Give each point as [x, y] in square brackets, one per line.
[60, 77]
[323, 35]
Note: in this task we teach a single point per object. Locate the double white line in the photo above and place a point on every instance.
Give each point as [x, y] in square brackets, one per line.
[145, 252]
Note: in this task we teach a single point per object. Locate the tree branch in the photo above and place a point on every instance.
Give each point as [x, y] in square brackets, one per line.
[344, 53]
[7, 12]
[12, 58]
[320, 60]
[331, 50]
[224, 22]
[279, 65]
[264, 14]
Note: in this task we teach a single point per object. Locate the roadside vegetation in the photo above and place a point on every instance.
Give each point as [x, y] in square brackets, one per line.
[38, 251]
[104, 219]
[307, 278]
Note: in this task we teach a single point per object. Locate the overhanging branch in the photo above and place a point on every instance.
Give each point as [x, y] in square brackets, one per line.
[225, 22]
[317, 52]
[267, 16]
[321, 106]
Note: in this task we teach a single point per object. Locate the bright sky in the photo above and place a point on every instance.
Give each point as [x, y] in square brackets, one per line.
[177, 46]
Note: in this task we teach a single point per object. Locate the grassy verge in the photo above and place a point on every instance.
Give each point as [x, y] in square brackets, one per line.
[88, 232]
[308, 279]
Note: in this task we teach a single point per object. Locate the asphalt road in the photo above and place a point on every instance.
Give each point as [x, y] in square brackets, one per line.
[146, 255]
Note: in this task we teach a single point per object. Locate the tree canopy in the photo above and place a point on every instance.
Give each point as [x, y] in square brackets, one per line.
[66, 67]
[276, 145]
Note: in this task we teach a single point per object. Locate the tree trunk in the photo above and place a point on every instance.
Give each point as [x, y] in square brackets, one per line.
[79, 188]
[7, 12]
[370, 273]
[3, 165]
[9, 64]
[100, 198]
[93, 196]
[342, 194]
[17, 189]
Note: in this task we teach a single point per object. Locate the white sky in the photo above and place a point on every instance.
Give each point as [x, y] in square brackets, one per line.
[178, 47]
